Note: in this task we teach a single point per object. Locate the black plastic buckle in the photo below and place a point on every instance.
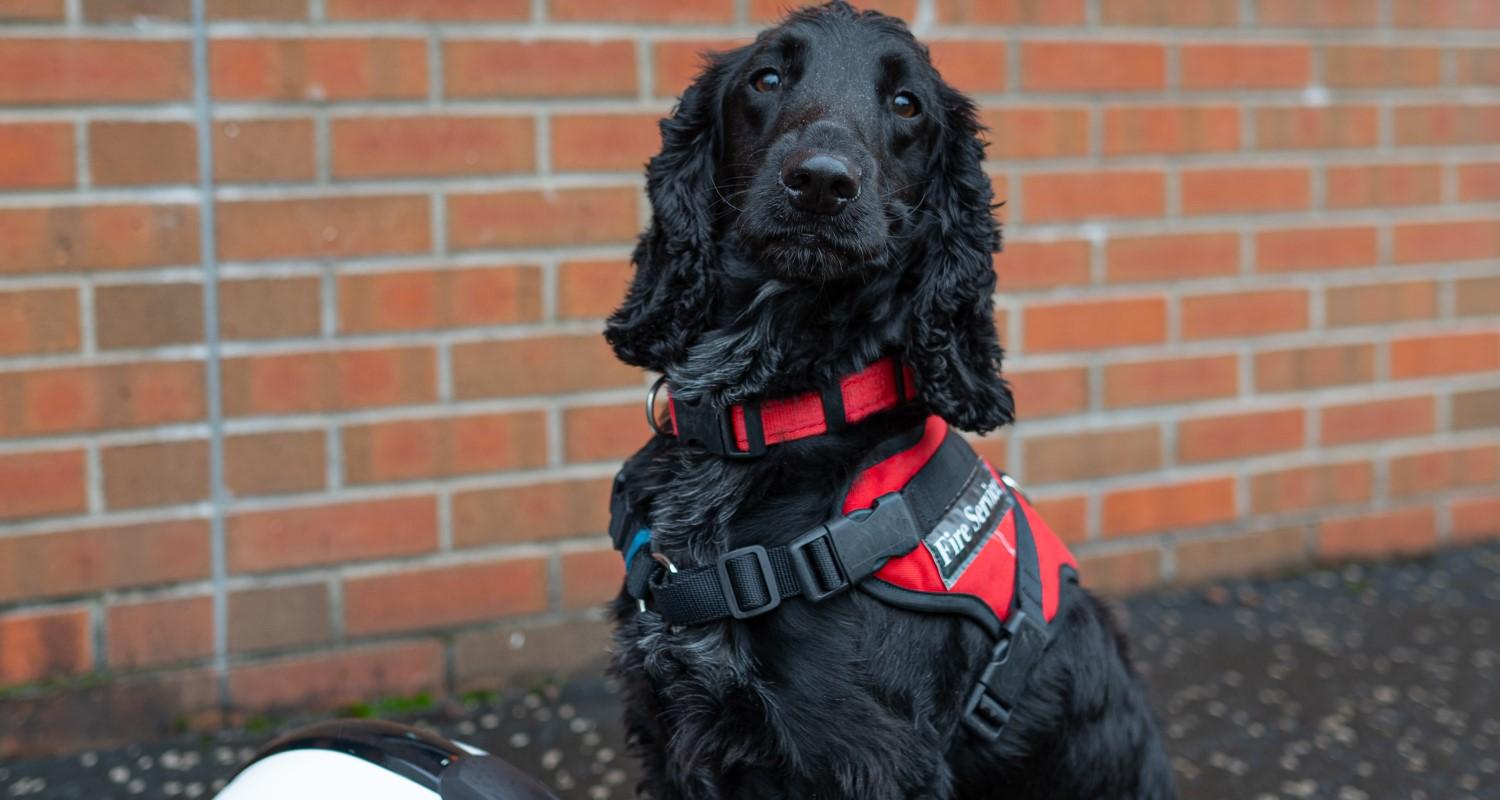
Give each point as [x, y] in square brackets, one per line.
[767, 575]
[1003, 682]
[860, 545]
[714, 430]
[621, 516]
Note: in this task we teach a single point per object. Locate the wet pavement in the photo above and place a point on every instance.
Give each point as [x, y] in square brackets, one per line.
[1372, 682]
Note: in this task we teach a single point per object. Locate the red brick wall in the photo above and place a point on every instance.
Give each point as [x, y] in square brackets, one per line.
[1251, 296]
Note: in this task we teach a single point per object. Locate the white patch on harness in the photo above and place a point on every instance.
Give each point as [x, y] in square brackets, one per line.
[970, 521]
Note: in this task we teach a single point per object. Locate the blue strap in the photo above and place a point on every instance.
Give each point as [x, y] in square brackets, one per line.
[641, 539]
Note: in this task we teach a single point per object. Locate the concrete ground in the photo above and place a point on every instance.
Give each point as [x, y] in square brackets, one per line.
[1377, 682]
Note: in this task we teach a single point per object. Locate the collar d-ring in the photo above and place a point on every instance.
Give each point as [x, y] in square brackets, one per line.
[651, 406]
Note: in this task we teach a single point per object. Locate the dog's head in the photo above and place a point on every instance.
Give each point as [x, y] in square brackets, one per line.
[830, 155]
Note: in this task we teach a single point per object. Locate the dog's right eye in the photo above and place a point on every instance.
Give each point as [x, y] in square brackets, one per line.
[767, 80]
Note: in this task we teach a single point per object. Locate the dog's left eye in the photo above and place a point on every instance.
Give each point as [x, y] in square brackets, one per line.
[767, 80]
[905, 105]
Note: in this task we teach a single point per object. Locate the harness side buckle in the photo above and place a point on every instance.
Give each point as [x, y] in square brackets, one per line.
[767, 576]
[1002, 684]
[859, 546]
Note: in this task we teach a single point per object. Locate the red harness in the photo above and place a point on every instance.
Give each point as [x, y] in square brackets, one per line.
[931, 527]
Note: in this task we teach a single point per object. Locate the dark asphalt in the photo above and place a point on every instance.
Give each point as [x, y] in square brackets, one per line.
[1377, 682]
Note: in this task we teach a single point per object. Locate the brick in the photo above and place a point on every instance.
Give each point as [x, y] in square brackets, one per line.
[405, 147]
[431, 10]
[678, 62]
[645, 11]
[1067, 516]
[89, 560]
[1133, 512]
[970, 65]
[1304, 249]
[1301, 488]
[131, 10]
[1446, 241]
[318, 70]
[1091, 454]
[1435, 471]
[155, 474]
[44, 644]
[1043, 265]
[1477, 296]
[444, 596]
[1122, 573]
[602, 433]
[1378, 420]
[1168, 13]
[142, 153]
[159, 632]
[1376, 185]
[539, 366]
[67, 238]
[537, 512]
[1316, 128]
[444, 447]
[1448, 354]
[1370, 67]
[39, 321]
[267, 541]
[633, 139]
[590, 578]
[1171, 257]
[1327, 14]
[1171, 380]
[1479, 182]
[1088, 325]
[1245, 66]
[311, 382]
[1118, 194]
[1314, 367]
[1137, 130]
[148, 315]
[994, 449]
[1475, 519]
[278, 617]
[1476, 409]
[257, 9]
[1477, 66]
[1092, 66]
[1235, 191]
[1244, 313]
[1380, 303]
[323, 227]
[36, 155]
[281, 462]
[1461, 14]
[70, 71]
[270, 308]
[72, 399]
[34, 11]
[95, 713]
[42, 484]
[426, 299]
[1262, 553]
[1378, 535]
[520, 654]
[1049, 392]
[1046, 132]
[551, 68]
[264, 150]
[591, 289]
[1011, 12]
[539, 219]
[1234, 436]
[325, 680]
[1436, 125]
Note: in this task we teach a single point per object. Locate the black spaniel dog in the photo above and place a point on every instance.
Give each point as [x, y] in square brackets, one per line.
[820, 203]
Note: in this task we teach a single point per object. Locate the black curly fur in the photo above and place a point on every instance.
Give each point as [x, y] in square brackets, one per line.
[849, 698]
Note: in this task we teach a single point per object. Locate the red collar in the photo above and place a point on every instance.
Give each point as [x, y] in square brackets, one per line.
[746, 429]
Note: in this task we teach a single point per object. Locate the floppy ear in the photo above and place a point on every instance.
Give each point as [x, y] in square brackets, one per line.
[670, 298]
[951, 343]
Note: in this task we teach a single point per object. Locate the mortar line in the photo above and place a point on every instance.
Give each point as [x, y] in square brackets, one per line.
[203, 113]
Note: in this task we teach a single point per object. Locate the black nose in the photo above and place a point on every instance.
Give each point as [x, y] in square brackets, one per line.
[819, 182]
